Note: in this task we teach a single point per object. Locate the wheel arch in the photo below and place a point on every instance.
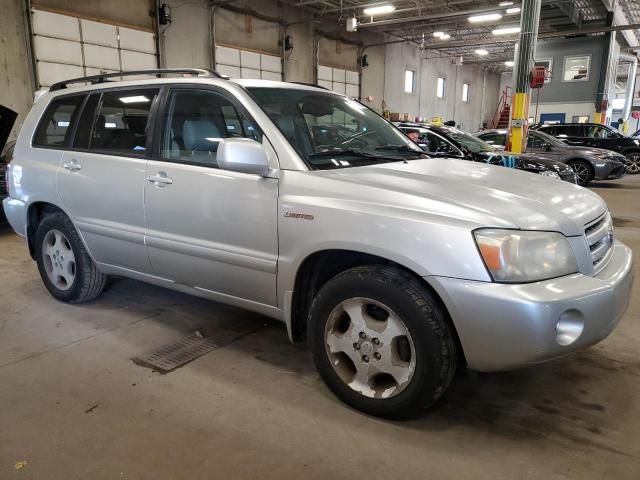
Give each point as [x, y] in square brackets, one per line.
[321, 266]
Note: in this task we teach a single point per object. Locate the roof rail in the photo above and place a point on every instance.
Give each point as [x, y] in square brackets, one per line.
[94, 79]
[308, 84]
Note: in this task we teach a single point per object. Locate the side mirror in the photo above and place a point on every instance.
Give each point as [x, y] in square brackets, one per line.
[242, 155]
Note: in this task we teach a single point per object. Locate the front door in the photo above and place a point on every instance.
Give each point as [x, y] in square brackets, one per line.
[208, 228]
[102, 177]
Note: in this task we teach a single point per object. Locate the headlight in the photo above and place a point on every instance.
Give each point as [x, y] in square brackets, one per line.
[518, 256]
[549, 173]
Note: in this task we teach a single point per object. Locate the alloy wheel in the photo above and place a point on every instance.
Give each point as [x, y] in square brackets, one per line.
[633, 163]
[59, 260]
[370, 348]
[582, 172]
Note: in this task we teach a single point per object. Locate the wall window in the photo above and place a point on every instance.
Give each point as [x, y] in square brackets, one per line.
[409, 81]
[576, 69]
[441, 86]
[547, 63]
[55, 127]
[465, 92]
[580, 119]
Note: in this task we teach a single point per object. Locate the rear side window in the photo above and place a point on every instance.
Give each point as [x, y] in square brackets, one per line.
[54, 130]
[120, 126]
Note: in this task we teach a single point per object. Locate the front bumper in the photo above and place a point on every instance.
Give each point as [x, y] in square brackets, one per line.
[503, 326]
[609, 170]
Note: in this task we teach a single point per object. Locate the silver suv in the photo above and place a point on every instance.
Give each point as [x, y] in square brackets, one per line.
[308, 207]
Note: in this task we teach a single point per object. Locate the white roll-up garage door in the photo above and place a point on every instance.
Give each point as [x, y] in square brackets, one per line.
[66, 46]
[339, 80]
[241, 63]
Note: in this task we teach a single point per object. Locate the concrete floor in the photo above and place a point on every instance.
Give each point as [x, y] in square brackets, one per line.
[74, 405]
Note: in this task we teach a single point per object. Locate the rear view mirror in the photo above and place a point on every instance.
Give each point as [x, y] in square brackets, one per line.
[242, 155]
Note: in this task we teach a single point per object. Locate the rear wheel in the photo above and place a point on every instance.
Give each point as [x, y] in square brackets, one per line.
[583, 170]
[65, 266]
[633, 163]
[381, 342]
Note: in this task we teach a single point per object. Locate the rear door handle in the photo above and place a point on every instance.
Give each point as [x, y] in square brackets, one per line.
[72, 166]
[160, 179]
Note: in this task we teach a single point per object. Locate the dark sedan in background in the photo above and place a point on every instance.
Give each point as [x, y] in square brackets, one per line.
[451, 143]
[598, 136]
[588, 163]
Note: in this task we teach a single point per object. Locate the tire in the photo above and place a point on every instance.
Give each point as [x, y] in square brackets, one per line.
[583, 170]
[633, 162]
[382, 300]
[74, 279]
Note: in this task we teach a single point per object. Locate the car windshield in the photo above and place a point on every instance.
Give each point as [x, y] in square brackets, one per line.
[330, 131]
[474, 144]
[545, 137]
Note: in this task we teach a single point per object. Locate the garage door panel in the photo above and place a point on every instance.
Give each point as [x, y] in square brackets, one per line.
[136, 40]
[55, 25]
[339, 87]
[271, 63]
[352, 90]
[249, 60]
[101, 57]
[137, 60]
[233, 72]
[352, 77]
[249, 73]
[274, 76]
[339, 75]
[228, 56]
[57, 51]
[50, 73]
[99, 33]
[325, 73]
[325, 84]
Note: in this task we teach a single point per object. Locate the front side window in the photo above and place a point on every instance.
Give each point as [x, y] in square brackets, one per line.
[598, 131]
[473, 144]
[195, 123]
[54, 130]
[331, 131]
[120, 126]
[436, 144]
[499, 139]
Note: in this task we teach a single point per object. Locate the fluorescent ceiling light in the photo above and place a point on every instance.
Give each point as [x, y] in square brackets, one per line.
[505, 4]
[513, 10]
[509, 63]
[134, 99]
[445, 36]
[482, 52]
[506, 31]
[438, 34]
[379, 9]
[485, 17]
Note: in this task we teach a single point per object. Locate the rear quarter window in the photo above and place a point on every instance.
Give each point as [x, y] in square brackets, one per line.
[55, 127]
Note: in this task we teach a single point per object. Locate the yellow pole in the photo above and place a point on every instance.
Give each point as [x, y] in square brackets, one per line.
[520, 106]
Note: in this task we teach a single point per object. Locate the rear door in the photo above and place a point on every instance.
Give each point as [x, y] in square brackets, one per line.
[102, 177]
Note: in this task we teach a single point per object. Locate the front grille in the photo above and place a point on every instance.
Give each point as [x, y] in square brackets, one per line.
[599, 234]
[568, 176]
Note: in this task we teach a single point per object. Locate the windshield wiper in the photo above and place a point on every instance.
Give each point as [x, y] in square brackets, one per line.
[400, 148]
[348, 153]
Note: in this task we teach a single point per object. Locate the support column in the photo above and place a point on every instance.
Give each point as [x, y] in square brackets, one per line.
[524, 58]
[606, 71]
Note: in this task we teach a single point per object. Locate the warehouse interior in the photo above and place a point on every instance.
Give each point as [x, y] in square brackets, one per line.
[79, 403]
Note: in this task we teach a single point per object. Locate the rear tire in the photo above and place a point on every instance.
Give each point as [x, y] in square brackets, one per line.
[633, 162]
[381, 342]
[583, 170]
[64, 264]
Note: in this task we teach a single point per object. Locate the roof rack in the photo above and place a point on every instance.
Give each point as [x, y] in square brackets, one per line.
[307, 84]
[103, 77]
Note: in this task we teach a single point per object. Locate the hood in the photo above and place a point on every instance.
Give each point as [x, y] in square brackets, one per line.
[481, 195]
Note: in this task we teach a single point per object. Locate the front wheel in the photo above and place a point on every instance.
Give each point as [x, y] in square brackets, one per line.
[381, 342]
[583, 170]
[633, 163]
[65, 266]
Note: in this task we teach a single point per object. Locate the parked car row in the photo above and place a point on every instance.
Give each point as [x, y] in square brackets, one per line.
[588, 163]
[451, 142]
[306, 206]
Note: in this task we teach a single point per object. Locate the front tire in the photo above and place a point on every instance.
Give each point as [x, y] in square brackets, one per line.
[381, 342]
[64, 264]
[583, 170]
[633, 163]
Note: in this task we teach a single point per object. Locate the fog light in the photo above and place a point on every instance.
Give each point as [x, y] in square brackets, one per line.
[569, 327]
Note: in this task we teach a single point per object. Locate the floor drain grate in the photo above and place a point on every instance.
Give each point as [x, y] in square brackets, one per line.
[169, 357]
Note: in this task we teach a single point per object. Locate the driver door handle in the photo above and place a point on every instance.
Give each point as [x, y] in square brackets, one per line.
[160, 179]
[72, 166]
